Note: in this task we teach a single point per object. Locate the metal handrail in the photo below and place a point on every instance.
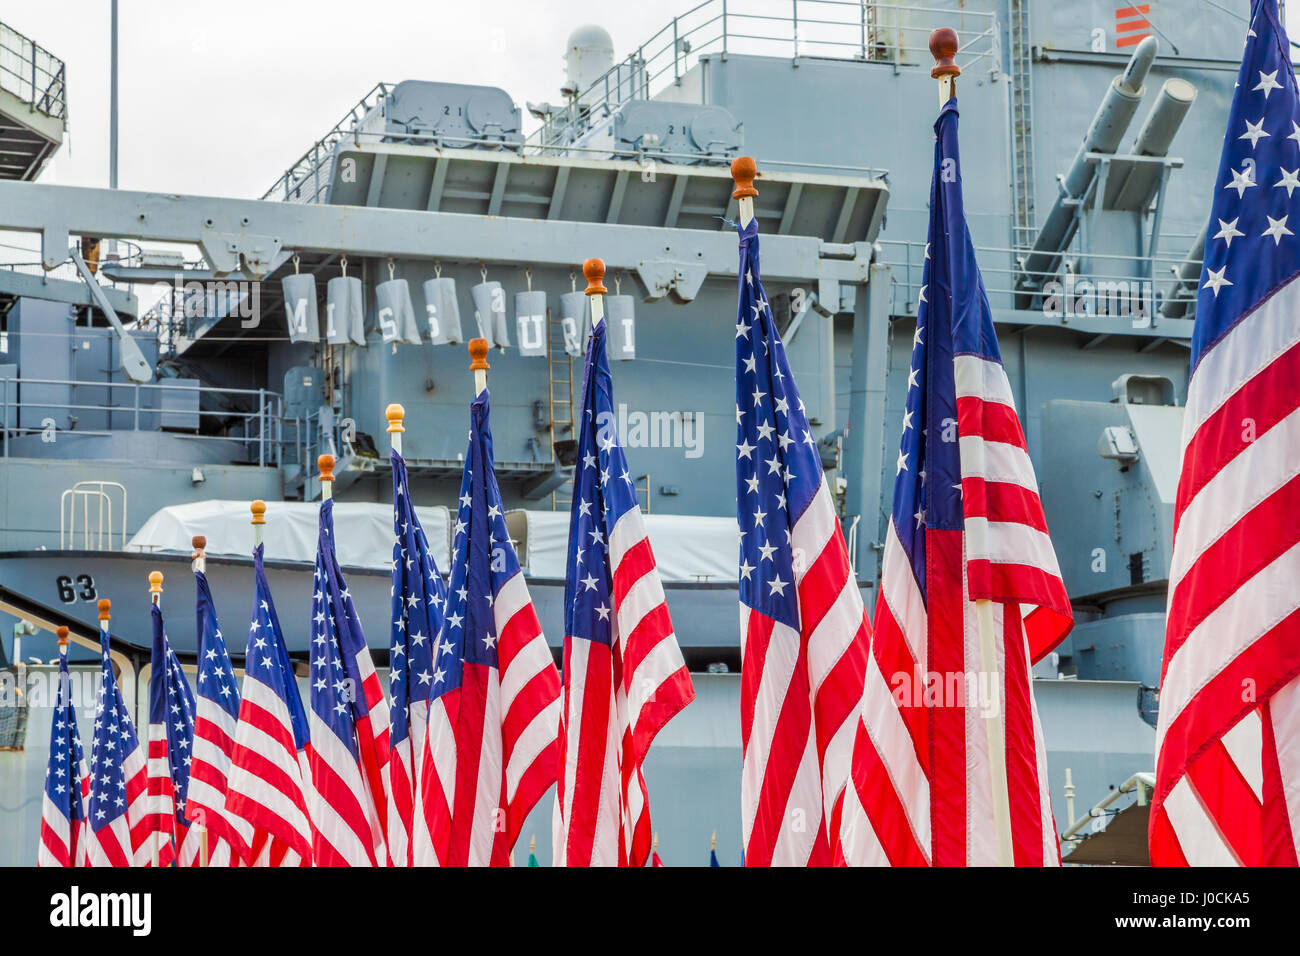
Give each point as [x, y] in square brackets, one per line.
[32, 73]
[85, 491]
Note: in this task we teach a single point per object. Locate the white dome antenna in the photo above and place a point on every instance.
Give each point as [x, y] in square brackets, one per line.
[588, 55]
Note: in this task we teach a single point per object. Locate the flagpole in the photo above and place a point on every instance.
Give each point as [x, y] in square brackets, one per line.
[594, 272]
[743, 171]
[199, 542]
[395, 414]
[155, 598]
[326, 465]
[258, 508]
[478, 350]
[943, 46]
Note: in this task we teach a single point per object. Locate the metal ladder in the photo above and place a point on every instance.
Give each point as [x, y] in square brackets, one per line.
[1022, 125]
[559, 373]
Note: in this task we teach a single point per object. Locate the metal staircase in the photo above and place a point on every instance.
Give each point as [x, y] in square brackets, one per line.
[33, 105]
[559, 373]
[1022, 122]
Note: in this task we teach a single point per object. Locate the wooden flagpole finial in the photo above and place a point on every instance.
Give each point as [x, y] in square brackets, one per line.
[532, 843]
[713, 841]
[326, 465]
[743, 171]
[155, 585]
[943, 47]
[258, 508]
[199, 542]
[105, 610]
[395, 414]
[594, 272]
[478, 350]
[63, 637]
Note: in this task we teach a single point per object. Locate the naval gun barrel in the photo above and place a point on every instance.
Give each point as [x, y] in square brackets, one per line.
[1172, 103]
[1113, 117]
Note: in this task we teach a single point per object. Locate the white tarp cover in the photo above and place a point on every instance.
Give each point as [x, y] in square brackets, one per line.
[686, 547]
[364, 531]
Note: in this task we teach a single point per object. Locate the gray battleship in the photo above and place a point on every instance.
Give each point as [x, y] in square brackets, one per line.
[129, 421]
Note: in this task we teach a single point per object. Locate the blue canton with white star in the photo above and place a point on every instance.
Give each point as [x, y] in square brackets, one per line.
[216, 680]
[1251, 247]
[603, 491]
[267, 658]
[114, 737]
[337, 696]
[63, 772]
[418, 599]
[778, 464]
[172, 704]
[482, 560]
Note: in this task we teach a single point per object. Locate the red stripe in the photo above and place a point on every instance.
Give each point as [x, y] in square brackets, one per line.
[1129, 26]
[437, 812]
[884, 809]
[1024, 584]
[1268, 530]
[947, 738]
[55, 845]
[1277, 840]
[1002, 501]
[903, 675]
[593, 739]
[992, 421]
[1163, 842]
[344, 803]
[1229, 801]
[471, 738]
[1260, 403]
[1024, 791]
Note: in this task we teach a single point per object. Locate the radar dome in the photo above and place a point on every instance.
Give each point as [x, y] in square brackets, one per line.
[588, 55]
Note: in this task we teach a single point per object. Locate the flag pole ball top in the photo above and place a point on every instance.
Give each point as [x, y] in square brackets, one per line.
[743, 171]
[63, 636]
[326, 465]
[105, 606]
[258, 508]
[395, 414]
[199, 542]
[594, 272]
[478, 350]
[155, 582]
[943, 46]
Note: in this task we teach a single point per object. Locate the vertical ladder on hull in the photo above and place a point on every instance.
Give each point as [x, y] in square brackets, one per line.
[1022, 124]
[559, 373]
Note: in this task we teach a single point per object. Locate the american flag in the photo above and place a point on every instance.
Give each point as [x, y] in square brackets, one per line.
[967, 554]
[215, 714]
[349, 722]
[266, 802]
[118, 797]
[63, 814]
[804, 630]
[624, 676]
[419, 596]
[490, 753]
[1228, 734]
[171, 736]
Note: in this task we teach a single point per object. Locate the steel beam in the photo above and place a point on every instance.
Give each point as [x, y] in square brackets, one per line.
[250, 234]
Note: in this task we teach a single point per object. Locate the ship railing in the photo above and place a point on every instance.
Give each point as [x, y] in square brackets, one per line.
[863, 30]
[93, 497]
[1102, 285]
[33, 74]
[253, 418]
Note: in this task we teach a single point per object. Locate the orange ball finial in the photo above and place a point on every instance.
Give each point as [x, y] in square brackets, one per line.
[743, 171]
[63, 636]
[326, 465]
[594, 272]
[258, 508]
[478, 350]
[395, 414]
[199, 542]
[155, 582]
[105, 606]
[943, 46]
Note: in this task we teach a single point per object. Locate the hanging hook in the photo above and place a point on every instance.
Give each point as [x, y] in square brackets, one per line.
[437, 268]
[573, 280]
[343, 264]
[297, 260]
[528, 277]
[618, 280]
[482, 271]
[390, 268]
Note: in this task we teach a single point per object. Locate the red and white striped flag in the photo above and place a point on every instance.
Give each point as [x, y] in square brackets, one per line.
[171, 744]
[490, 750]
[349, 723]
[63, 812]
[949, 766]
[266, 802]
[804, 630]
[624, 676]
[1228, 736]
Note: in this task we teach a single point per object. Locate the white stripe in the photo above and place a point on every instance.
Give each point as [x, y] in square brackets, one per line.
[329, 823]
[206, 709]
[812, 531]
[858, 841]
[628, 532]
[1245, 745]
[1263, 466]
[1198, 836]
[773, 685]
[1009, 542]
[899, 589]
[981, 830]
[976, 377]
[802, 821]
[1255, 342]
[1284, 706]
[488, 813]
[575, 688]
[996, 461]
[536, 737]
[60, 826]
[663, 661]
[893, 744]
